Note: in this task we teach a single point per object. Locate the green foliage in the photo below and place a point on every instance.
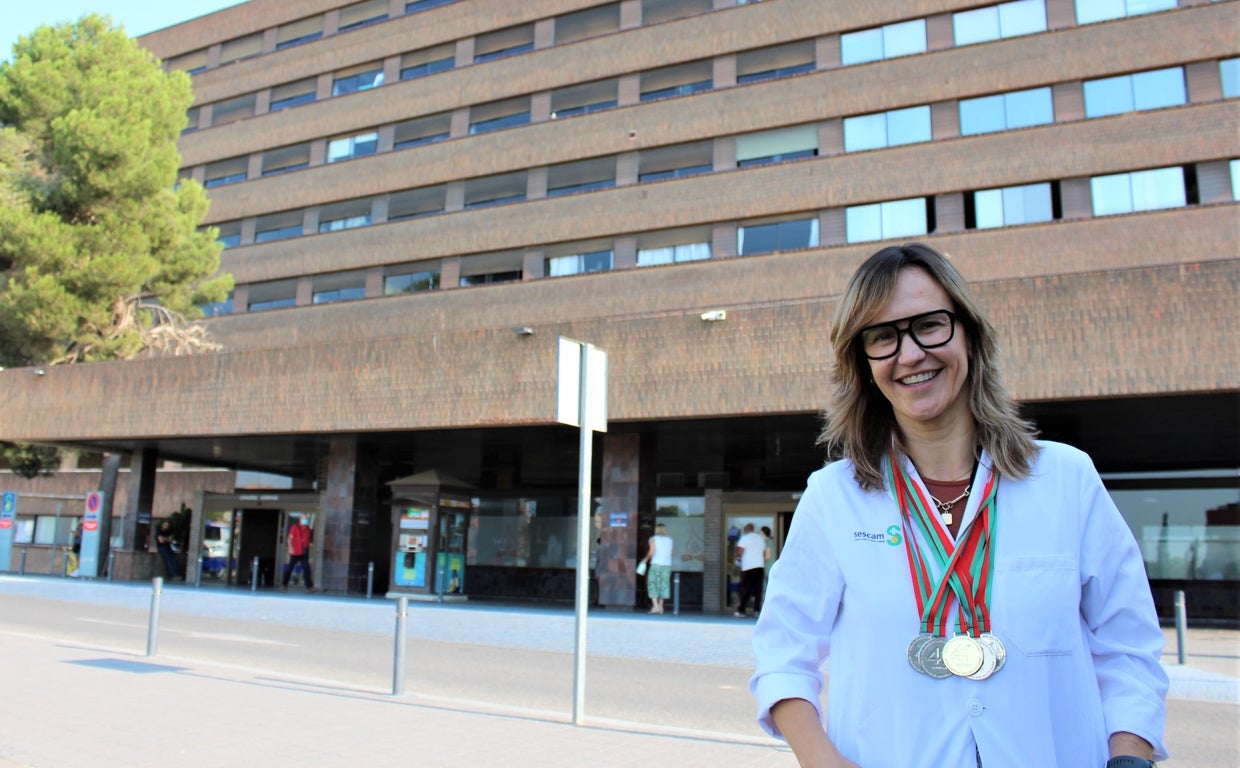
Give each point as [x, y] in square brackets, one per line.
[30, 461]
[92, 218]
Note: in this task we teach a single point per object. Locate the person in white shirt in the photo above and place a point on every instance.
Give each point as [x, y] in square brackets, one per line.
[980, 597]
[751, 549]
[659, 577]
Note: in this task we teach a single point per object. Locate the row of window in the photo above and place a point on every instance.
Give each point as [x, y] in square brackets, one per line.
[1010, 19]
[998, 112]
[1108, 194]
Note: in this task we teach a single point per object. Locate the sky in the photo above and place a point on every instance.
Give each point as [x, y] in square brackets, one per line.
[20, 17]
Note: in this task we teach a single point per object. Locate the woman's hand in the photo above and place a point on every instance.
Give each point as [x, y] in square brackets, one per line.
[798, 721]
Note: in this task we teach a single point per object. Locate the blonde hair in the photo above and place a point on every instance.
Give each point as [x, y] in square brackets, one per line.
[859, 420]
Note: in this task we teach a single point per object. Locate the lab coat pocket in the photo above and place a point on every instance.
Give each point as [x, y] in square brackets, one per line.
[1037, 604]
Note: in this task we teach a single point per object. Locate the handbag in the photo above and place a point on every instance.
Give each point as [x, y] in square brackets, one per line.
[641, 568]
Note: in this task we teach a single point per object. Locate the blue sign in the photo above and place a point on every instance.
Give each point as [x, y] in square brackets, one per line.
[8, 524]
[88, 559]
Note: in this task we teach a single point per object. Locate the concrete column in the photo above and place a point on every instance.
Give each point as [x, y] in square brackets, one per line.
[348, 510]
[139, 501]
[714, 585]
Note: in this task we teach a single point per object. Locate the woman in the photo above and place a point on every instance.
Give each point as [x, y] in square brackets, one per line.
[659, 576]
[1041, 645]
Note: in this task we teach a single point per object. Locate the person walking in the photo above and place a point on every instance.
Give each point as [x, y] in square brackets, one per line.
[659, 576]
[164, 536]
[300, 537]
[981, 599]
[751, 549]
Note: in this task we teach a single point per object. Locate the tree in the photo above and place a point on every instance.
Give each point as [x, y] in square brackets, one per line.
[101, 251]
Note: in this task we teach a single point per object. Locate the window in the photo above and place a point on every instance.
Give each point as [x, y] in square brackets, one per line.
[591, 22]
[1023, 17]
[352, 146]
[673, 246]
[1229, 74]
[412, 203]
[888, 42]
[215, 309]
[677, 161]
[1089, 11]
[427, 61]
[1011, 206]
[278, 226]
[423, 5]
[776, 146]
[887, 129]
[410, 282]
[192, 63]
[1127, 93]
[507, 276]
[362, 14]
[778, 61]
[241, 48]
[224, 172]
[503, 42]
[347, 215]
[286, 159]
[680, 80]
[655, 11]
[498, 115]
[567, 178]
[191, 120]
[581, 99]
[232, 110]
[1138, 191]
[579, 263]
[228, 234]
[423, 130]
[292, 94]
[883, 221]
[495, 190]
[298, 32]
[1234, 167]
[273, 295]
[344, 287]
[359, 78]
[488, 268]
[1006, 111]
[777, 236]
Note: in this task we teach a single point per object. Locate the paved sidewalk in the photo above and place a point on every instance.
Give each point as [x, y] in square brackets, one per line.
[90, 707]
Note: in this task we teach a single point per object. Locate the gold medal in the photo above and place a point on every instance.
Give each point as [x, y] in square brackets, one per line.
[962, 655]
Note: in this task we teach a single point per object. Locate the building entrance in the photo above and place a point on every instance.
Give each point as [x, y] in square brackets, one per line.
[772, 511]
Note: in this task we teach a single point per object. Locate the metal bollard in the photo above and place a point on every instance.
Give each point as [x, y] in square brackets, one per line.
[1181, 622]
[254, 575]
[111, 562]
[370, 580]
[676, 593]
[198, 574]
[398, 654]
[152, 630]
[22, 569]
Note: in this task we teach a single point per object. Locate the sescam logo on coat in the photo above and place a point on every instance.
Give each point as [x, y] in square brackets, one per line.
[892, 536]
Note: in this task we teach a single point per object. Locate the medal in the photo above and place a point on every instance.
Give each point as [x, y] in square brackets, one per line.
[989, 663]
[962, 655]
[930, 659]
[996, 647]
[914, 648]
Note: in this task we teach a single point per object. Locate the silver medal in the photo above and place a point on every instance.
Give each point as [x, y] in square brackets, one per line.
[996, 646]
[914, 647]
[930, 659]
[988, 662]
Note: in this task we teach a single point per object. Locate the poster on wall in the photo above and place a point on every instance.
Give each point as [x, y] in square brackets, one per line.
[452, 566]
[415, 518]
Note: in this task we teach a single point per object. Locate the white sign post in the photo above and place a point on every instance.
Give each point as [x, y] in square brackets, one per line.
[581, 401]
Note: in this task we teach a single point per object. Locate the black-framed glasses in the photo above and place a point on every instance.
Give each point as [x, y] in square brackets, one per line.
[927, 330]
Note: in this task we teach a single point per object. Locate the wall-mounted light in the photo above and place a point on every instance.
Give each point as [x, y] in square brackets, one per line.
[715, 315]
[39, 372]
[523, 330]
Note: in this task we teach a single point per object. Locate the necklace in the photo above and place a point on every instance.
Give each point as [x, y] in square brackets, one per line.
[945, 507]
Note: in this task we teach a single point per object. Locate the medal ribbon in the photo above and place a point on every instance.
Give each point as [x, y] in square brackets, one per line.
[965, 569]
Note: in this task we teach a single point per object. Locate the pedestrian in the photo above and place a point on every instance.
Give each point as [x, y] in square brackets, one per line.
[768, 556]
[751, 549]
[164, 536]
[659, 576]
[75, 549]
[980, 597]
[300, 537]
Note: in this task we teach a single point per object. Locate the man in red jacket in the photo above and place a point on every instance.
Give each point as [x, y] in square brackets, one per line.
[300, 536]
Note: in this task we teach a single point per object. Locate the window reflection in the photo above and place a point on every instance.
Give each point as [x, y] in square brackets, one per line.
[1185, 533]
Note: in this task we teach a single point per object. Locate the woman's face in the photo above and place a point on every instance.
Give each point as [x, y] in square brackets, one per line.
[926, 387]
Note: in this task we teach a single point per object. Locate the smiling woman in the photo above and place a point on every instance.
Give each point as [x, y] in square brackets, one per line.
[975, 596]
